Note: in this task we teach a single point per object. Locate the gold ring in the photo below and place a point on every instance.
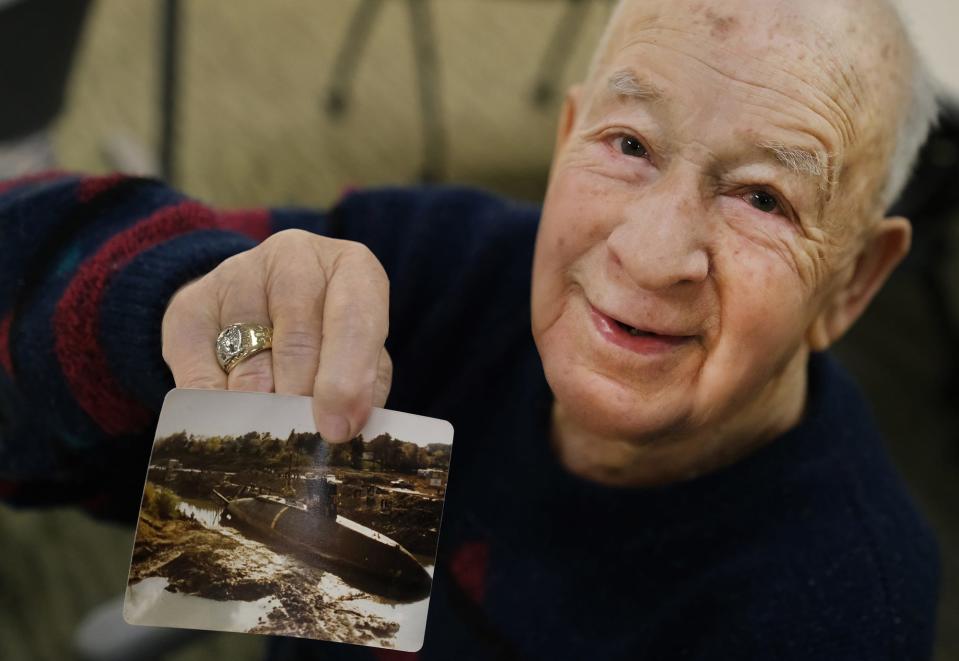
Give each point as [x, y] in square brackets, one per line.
[237, 342]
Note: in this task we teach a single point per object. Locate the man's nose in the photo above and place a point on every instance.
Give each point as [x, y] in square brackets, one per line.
[661, 241]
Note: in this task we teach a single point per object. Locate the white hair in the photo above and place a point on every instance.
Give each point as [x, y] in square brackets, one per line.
[918, 120]
[919, 117]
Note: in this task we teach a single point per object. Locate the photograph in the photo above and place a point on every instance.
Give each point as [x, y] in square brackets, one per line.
[251, 522]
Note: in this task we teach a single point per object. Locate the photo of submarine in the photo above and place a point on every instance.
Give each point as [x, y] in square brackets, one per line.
[315, 531]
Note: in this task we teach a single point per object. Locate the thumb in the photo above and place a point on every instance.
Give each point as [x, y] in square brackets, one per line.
[384, 379]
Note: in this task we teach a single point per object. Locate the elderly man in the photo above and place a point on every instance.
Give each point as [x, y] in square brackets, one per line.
[675, 469]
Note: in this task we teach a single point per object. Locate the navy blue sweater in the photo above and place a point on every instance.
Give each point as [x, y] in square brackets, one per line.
[807, 549]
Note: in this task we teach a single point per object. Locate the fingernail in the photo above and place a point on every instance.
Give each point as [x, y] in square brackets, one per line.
[334, 428]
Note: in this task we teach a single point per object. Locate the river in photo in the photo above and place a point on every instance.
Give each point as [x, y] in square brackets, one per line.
[149, 603]
[204, 511]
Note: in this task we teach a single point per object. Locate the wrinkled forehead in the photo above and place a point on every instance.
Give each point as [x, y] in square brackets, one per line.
[818, 43]
[844, 60]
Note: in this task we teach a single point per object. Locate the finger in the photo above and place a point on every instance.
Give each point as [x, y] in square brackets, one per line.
[189, 328]
[355, 323]
[384, 379]
[243, 300]
[295, 300]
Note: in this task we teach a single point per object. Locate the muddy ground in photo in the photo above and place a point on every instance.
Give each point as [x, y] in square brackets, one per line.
[223, 565]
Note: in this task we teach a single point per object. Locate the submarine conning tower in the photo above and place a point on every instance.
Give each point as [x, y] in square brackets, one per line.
[321, 495]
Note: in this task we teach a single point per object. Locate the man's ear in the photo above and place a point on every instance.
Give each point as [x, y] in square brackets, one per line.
[884, 247]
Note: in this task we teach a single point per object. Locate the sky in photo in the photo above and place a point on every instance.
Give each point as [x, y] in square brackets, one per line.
[231, 413]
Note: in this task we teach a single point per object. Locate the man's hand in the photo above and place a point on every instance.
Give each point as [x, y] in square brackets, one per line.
[328, 303]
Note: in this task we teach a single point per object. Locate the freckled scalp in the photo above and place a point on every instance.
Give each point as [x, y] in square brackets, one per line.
[722, 26]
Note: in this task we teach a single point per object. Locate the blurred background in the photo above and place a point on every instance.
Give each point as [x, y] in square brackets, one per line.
[246, 103]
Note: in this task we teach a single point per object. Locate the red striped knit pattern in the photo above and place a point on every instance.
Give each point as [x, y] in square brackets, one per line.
[94, 186]
[254, 223]
[36, 178]
[5, 361]
[76, 319]
[468, 566]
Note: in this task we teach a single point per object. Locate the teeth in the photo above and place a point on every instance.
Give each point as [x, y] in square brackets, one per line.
[635, 332]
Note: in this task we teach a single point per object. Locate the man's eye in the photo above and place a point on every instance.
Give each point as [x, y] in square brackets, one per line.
[632, 146]
[763, 201]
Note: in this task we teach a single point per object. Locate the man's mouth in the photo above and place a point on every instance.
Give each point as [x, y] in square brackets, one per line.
[638, 340]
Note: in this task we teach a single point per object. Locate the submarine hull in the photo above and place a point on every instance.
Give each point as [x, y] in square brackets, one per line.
[340, 542]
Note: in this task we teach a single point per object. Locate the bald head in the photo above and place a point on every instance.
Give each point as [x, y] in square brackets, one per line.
[857, 53]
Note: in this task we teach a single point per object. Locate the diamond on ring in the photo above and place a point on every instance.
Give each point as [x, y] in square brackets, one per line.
[237, 342]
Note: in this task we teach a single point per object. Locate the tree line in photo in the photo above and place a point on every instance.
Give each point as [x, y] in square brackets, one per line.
[262, 450]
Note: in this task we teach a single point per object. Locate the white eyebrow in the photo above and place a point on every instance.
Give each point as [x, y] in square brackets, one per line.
[812, 163]
[626, 83]
[802, 161]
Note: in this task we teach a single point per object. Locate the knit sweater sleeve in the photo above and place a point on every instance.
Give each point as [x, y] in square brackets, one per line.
[88, 265]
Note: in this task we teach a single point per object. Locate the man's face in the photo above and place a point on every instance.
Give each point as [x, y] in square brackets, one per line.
[694, 229]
